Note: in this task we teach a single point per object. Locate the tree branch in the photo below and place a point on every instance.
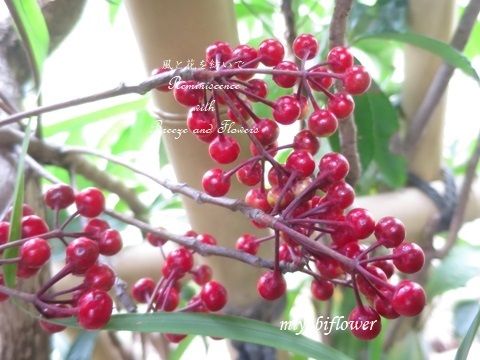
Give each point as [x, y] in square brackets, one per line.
[346, 127]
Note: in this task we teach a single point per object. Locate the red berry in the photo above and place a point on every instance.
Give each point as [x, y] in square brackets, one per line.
[248, 244]
[156, 240]
[59, 196]
[3, 296]
[202, 274]
[167, 301]
[213, 295]
[305, 140]
[238, 109]
[250, 174]
[277, 194]
[340, 59]
[207, 239]
[90, 202]
[409, 298]
[33, 225]
[175, 338]
[143, 289]
[24, 272]
[215, 183]
[319, 79]
[243, 57]
[271, 52]
[305, 46]
[341, 105]
[50, 313]
[322, 123]
[408, 258]
[322, 289]
[188, 93]
[81, 253]
[95, 227]
[361, 222]
[4, 231]
[301, 162]
[257, 87]
[368, 288]
[342, 194]
[286, 110]
[257, 198]
[335, 166]
[283, 80]
[94, 309]
[99, 276]
[224, 149]
[271, 285]
[390, 231]
[110, 242]
[35, 253]
[328, 267]
[201, 122]
[386, 266]
[383, 305]
[266, 131]
[179, 262]
[217, 54]
[158, 71]
[356, 80]
[364, 323]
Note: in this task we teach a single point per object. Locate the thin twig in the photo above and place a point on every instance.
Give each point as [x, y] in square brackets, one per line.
[346, 127]
[440, 82]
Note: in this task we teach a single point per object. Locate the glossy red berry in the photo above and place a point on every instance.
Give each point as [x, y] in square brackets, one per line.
[95, 227]
[94, 309]
[99, 276]
[409, 298]
[319, 79]
[26, 211]
[361, 222]
[408, 258]
[201, 122]
[305, 46]
[110, 242]
[224, 149]
[248, 244]
[335, 166]
[342, 194]
[279, 197]
[340, 59]
[214, 296]
[217, 54]
[175, 338]
[178, 262]
[286, 110]
[256, 88]
[271, 52]
[142, 290]
[61, 311]
[59, 196]
[285, 80]
[238, 112]
[271, 285]
[301, 162]
[328, 267]
[188, 93]
[156, 240]
[306, 140]
[257, 198]
[341, 105]
[35, 253]
[356, 80]
[370, 287]
[390, 231]
[322, 123]
[33, 225]
[364, 323]
[167, 300]
[4, 231]
[81, 253]
[386, 266]
[322, 289]
[245, 57]
[202, 274]
[266, 131]
[215, 183]
[250, 174]
[90, 202]
[383, 305]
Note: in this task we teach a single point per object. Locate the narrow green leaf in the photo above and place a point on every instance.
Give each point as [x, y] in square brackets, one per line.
[445, 51]
[80, 121]
[31, 25]
[10, 270]
[464, 349]
[82, 348]
[181, 348]
[113, 7]
[224, 326]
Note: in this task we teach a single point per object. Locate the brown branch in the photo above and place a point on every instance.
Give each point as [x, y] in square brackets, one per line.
[346, 127]
[442, 78]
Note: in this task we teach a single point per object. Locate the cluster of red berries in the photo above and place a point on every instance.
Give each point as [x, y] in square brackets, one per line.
[311, 203]
[164, 294]
[88, 301]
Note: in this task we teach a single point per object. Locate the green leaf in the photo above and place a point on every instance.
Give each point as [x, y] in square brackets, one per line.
[443, 50]
[32, 28]
[113, 7]
[365, 139]
[230, 327]
[464, 349]
[181, 348]
[10, 270]
[384, 123]
[460, 265]
[82, 348]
